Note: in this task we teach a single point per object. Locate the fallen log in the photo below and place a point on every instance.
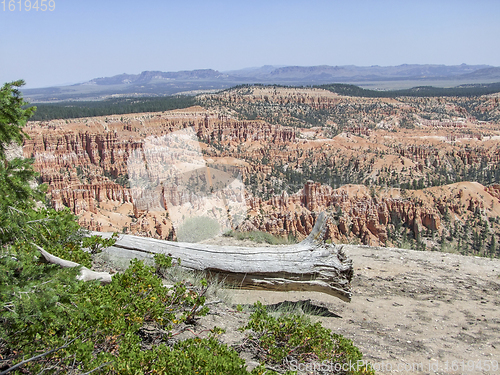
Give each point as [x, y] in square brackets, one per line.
[310, 265]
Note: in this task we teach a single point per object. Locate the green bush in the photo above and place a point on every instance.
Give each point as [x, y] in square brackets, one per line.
[261, 237]
[292, 339]
[101, 322]
[196, 229]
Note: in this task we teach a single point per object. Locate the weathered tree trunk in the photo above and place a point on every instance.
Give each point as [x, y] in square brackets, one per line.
[308, 266]
[85, 273]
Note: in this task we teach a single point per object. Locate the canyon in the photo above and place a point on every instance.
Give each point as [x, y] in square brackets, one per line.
[411, 172]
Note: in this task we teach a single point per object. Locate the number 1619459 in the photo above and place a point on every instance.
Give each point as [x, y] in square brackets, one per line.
[28, 5]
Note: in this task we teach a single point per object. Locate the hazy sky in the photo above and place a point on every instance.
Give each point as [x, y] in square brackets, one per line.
[85, 39]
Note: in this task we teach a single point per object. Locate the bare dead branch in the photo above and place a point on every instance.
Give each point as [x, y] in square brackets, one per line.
[97, 368]
[37, 357]
[85, 273]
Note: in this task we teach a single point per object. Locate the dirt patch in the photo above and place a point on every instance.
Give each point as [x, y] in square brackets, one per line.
[410, 308]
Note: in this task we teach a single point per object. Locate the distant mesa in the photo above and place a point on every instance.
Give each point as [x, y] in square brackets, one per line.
[489, 72]
[148, 76]
[158, 83]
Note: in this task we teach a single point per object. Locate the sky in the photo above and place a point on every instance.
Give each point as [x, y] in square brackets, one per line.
[84, 39]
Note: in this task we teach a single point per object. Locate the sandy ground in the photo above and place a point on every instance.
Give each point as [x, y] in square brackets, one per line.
[412, 309]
